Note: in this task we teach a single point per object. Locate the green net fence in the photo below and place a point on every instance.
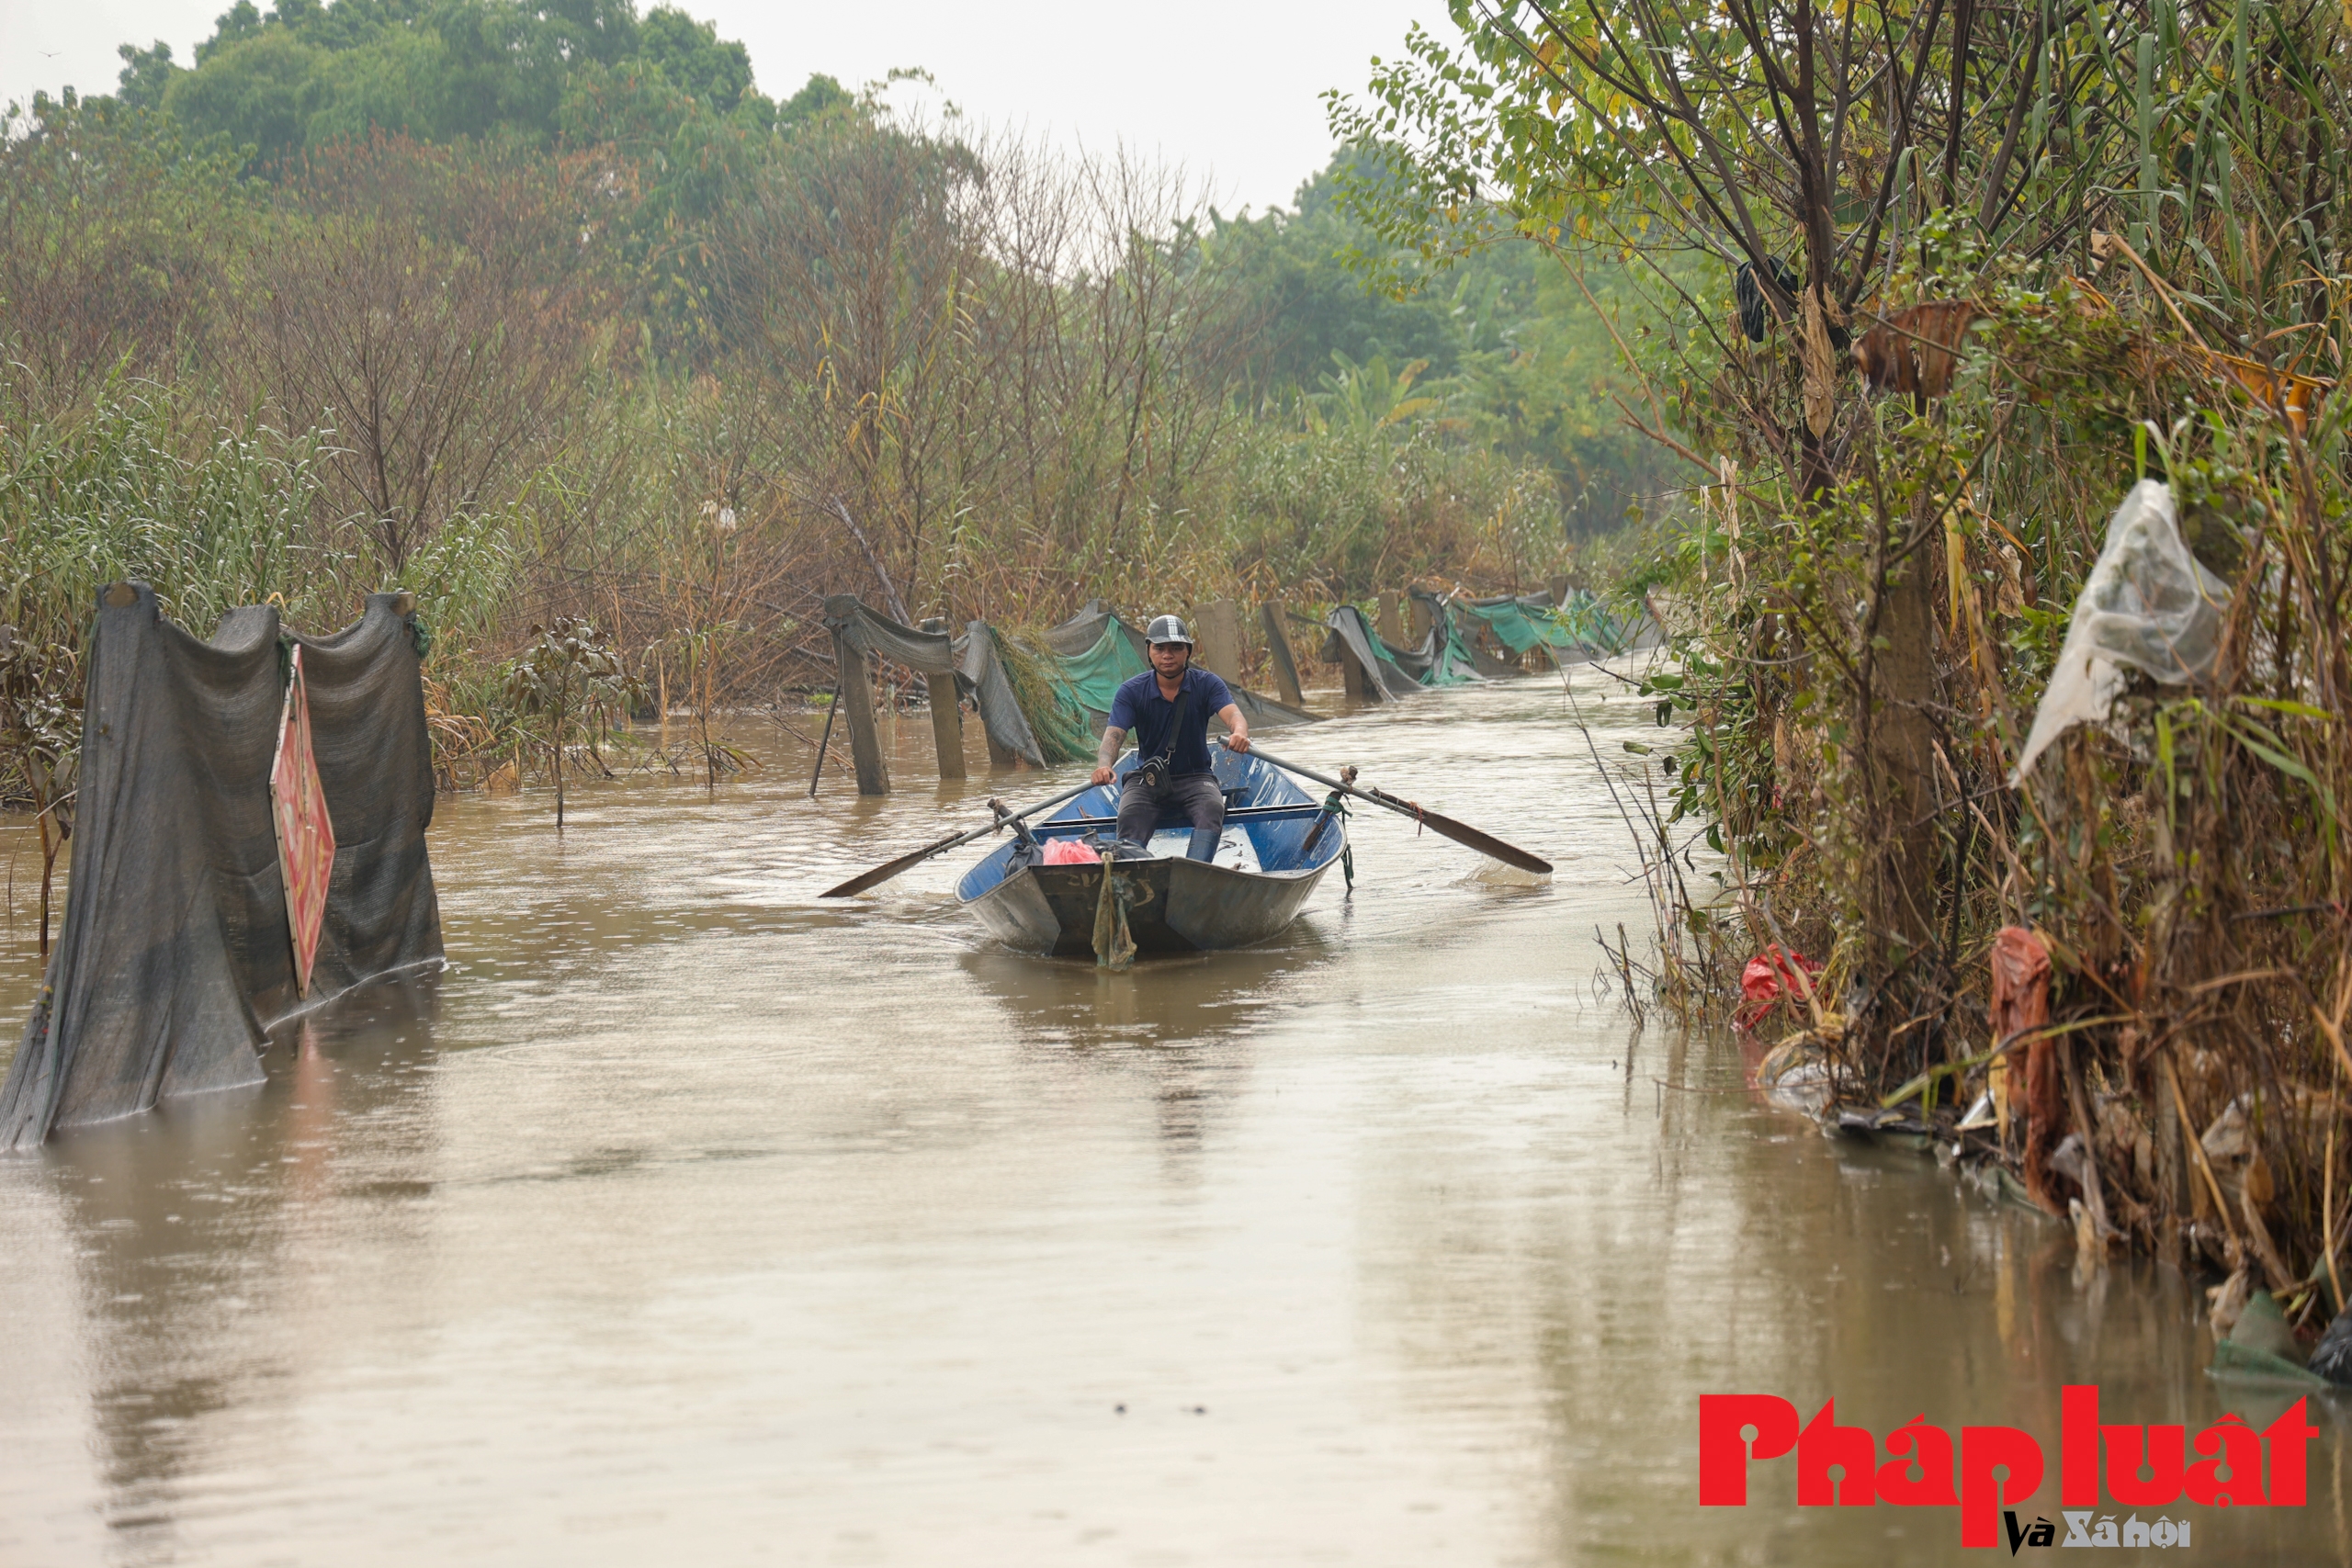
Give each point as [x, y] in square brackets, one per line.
[1481, 639]
[1042, 696]
[1094, 650]
[1053, 703]
[1582, 627]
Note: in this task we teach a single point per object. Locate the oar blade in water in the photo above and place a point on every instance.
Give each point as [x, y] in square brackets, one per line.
[1463, 833]
[884, 872]
[913, 858]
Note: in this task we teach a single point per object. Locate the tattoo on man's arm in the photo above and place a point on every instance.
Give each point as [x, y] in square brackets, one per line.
[1108, 752]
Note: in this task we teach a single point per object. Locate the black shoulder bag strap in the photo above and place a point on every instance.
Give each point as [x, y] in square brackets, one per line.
[1155, 773]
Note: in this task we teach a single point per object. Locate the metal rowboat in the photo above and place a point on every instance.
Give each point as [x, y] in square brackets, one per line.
[1173, 905]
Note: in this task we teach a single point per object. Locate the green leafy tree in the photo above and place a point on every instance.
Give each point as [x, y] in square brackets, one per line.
[241, 21]
[258, 90]
[305, 74]
[1792, 141]
[400, 84]
[1301, 266]
[1862, 642]
[1517, 346]
[1369, 399]
[692, 57]
[818, 96]
[146, 74]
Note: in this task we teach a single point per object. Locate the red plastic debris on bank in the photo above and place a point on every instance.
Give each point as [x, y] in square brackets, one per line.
[1769, 976]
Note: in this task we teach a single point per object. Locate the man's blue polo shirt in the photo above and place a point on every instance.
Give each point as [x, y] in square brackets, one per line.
[1145, 715]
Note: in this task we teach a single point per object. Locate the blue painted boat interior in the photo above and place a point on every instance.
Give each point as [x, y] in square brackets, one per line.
[1278, 840]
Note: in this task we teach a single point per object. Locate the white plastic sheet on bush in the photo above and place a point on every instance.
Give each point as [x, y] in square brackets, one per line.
[2148, 606]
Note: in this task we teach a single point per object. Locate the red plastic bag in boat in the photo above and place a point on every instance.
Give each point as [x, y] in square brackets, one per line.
[1069, 852]
[1769, 976]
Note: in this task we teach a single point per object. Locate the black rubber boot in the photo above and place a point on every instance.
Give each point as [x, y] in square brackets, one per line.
[1203, 845]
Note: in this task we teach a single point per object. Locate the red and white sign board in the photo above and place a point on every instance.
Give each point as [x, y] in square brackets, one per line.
[305, 837]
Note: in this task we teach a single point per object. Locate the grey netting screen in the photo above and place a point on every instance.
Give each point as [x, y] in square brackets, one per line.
[1264, 713]
[972, 660]
[1398, 671]
[174, 958]
[1059, 688]
[1076, 638]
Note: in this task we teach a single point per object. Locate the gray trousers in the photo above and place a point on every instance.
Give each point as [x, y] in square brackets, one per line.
[1195, 796]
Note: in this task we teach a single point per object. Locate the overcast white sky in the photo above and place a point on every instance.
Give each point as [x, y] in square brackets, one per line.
[1227, 88]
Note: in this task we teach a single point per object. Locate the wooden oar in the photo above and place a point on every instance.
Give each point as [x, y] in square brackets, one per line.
[913, 858]
[1460, 832]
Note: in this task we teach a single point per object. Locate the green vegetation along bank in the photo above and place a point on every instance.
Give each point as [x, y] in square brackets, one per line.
[1983, 269]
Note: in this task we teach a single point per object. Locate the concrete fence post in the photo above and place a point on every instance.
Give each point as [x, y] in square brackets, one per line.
[1278, 651]
[855, 695]
[1220, 632]
[947, 714]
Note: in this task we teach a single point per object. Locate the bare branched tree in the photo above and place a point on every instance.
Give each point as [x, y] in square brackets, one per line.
[966, 328]
[109, 246]
[431, 307]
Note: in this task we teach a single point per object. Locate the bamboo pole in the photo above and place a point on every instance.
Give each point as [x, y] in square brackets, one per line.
[832, 712]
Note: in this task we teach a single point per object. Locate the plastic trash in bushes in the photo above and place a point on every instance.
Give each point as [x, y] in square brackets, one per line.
[1769, 976]
[2147, 605]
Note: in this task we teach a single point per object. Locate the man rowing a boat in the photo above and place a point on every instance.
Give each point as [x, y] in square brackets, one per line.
[1167, 707]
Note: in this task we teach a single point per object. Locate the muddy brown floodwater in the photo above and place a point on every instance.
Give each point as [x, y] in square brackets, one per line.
[694, 1220]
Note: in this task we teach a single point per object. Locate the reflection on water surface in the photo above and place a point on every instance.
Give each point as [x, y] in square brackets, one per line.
[689, 1214]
